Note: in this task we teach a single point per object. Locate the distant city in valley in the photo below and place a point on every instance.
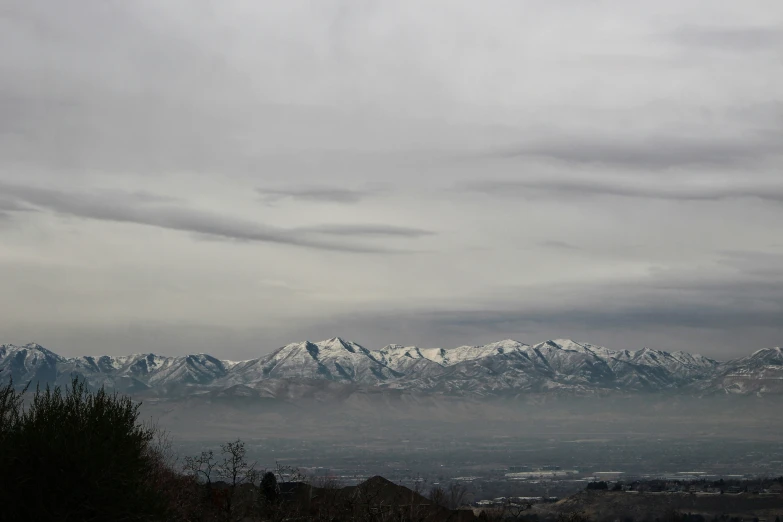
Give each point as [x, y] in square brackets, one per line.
[569, 212]
[504, 419]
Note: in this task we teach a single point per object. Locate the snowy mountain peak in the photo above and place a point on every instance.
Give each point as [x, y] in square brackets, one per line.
[336, 343]
[568, 344]
[29, 363]
[507, 344]
[766, 355]
[767, 351]
[496, 368]
[395, 348]
[34, 349]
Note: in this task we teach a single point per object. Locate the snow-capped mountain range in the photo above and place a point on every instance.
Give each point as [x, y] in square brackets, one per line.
[504, 368]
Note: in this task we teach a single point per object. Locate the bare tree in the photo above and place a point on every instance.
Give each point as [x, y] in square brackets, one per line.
[288, 473]
[452, 497]
[515, 510]
[183, 498]
[201, 467]
[328, 505]
[235, 470]
[437, 496]
[162, 445]
[456, 494]
[419, 483]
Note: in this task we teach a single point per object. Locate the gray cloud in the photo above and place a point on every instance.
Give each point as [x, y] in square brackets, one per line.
[136, 208]
[557, 245]
[762, 264]
[7, 204]
[366, 230]
[658, 313]
[728, 318]
[739, 39]
[667, 312]
[327, 107]
[681, 300]
[651, 152]
[317, 194]
[632, 188]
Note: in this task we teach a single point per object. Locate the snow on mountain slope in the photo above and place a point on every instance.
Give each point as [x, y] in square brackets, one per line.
[501, 368]
[653, 369]
[335, 359]
[563, 364]
[191, 369]
[513, 367]
[407, 360]
[758, 359]
[105, 370]
[139, 372]
[485, 376]
[566, 357]
[759, 373]
[471, 353]
[29, 363]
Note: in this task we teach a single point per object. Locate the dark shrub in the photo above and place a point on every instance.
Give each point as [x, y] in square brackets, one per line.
[76, 455]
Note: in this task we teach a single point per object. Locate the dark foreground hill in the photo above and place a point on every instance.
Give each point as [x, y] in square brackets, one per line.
[376, 499]
[77, 455]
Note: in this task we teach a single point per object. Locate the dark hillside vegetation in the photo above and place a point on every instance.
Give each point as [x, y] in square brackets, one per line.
[77, 454]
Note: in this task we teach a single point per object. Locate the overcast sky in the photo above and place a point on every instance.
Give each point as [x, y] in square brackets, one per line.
[229, 176]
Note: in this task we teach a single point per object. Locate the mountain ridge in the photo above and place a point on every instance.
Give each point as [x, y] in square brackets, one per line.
[500, 368]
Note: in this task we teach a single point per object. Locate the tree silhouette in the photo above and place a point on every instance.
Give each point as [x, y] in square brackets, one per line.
[76, 455]
[269, 489]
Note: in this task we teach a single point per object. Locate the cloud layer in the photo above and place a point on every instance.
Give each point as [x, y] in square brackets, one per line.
[144, 209]
[230, 176]
[636, 188]
[316, 194]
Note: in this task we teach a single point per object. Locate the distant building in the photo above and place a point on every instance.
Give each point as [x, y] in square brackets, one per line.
[608, 475]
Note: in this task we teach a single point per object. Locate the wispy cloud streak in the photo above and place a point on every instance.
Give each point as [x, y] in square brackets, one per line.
[314, 194]
[635, 188]
[146, 210]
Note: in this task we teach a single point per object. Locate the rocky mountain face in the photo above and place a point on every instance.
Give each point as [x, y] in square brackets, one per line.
[760, 373]
[30, 363]
[506, 368]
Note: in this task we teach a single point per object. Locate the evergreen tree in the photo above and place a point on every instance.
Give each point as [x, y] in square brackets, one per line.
[76, 455]
[269, 489]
